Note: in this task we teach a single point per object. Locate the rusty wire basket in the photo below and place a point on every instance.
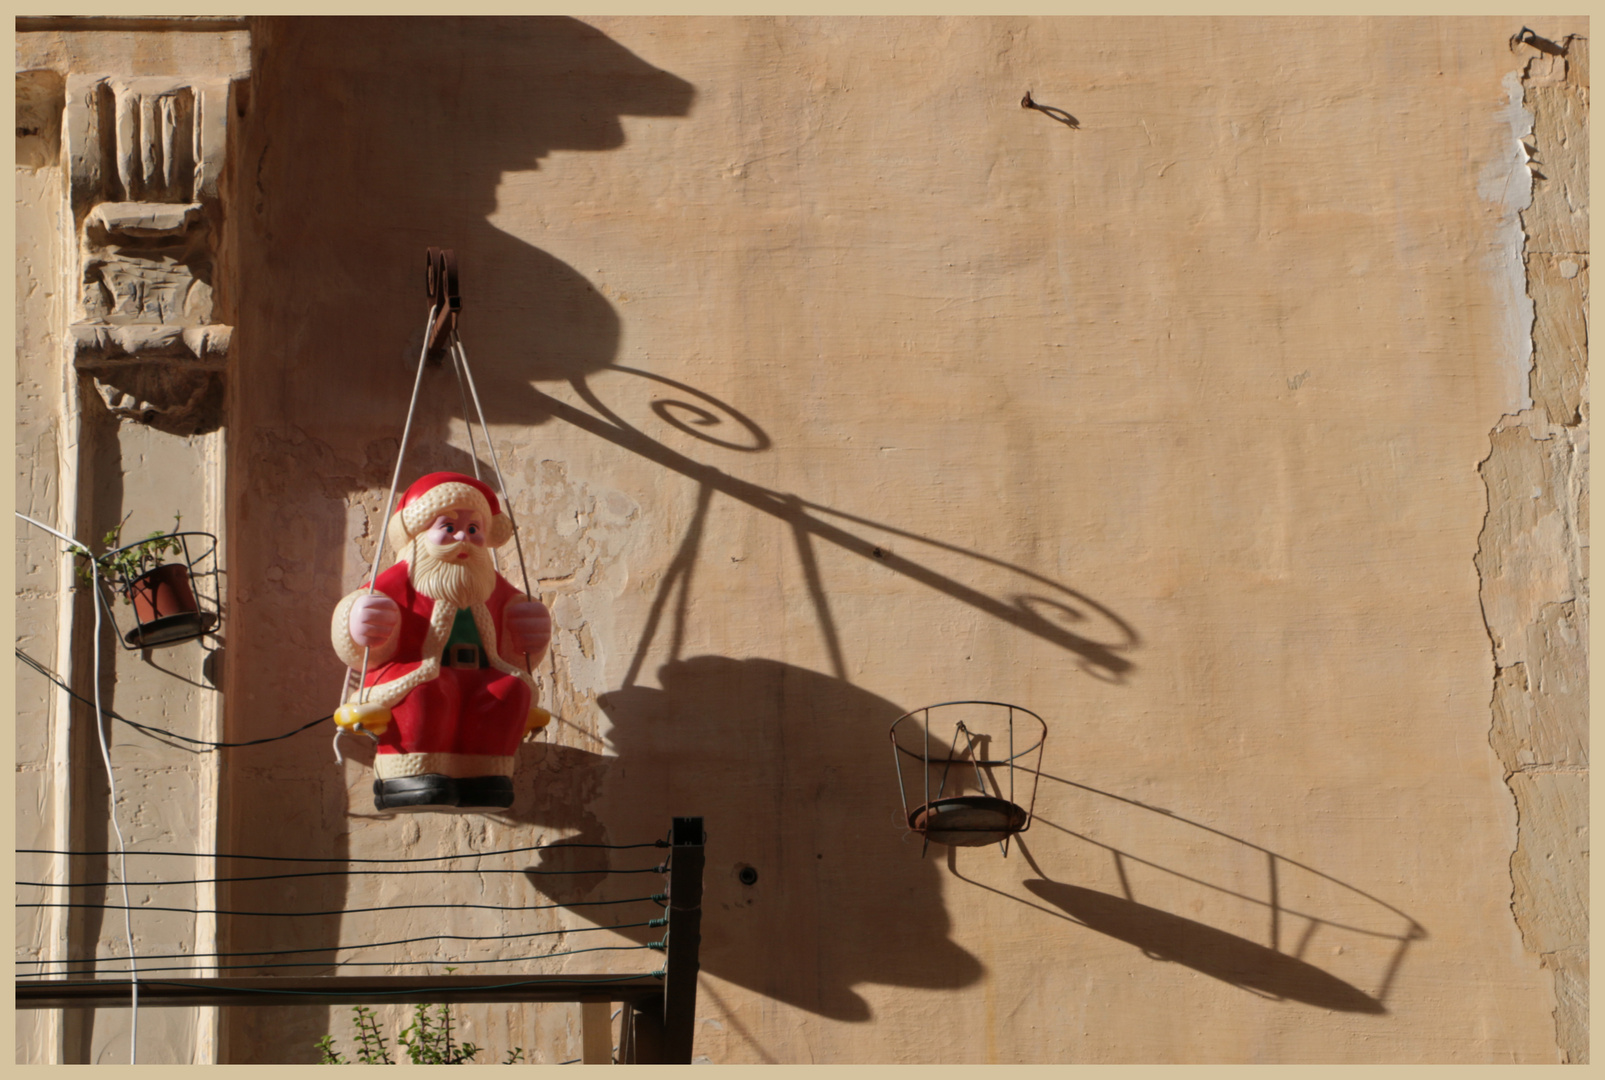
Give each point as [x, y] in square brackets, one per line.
[991, 812]
[172, 602]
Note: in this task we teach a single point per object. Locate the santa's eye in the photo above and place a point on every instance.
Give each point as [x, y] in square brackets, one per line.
[473, 530]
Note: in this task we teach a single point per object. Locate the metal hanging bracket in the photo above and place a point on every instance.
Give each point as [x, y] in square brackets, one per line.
[440, 283]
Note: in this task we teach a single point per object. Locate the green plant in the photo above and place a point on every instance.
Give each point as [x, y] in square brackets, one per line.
[371, 1048]
[428, 1041]
[129, 563]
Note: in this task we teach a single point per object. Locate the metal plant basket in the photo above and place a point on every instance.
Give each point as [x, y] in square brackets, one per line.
[966, 796]
[173, 602]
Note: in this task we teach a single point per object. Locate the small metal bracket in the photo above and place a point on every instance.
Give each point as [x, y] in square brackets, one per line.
[440, 284]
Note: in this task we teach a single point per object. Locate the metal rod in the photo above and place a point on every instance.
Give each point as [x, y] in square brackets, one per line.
[969, 748]
[926, 758]
[927, 762]
[942, 788]
[897, 763]
[1011, 776]
[686, 860]
[265, 990]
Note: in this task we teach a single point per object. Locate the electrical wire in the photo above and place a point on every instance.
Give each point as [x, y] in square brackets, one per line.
[555, 980]
[383, 963]
[163, 732]
[327, 858]
[111, 784]
[366, 945]
[661, 869]
[658, 897]
[122, 845]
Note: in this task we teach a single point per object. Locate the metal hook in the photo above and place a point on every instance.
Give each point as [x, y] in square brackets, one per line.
[440, 284]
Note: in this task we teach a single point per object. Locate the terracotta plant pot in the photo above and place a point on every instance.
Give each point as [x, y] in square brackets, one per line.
[165, 607]
[162, 591]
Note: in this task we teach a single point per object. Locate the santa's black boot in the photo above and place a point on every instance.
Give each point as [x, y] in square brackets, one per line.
[490, 792]
[415, 792]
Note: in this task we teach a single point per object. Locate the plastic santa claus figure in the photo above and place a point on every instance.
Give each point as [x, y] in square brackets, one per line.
[446, 691]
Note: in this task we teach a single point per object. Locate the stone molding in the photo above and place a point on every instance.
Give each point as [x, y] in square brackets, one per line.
[145, 158]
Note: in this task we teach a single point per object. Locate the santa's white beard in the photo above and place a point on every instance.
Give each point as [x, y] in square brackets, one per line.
[459, 582]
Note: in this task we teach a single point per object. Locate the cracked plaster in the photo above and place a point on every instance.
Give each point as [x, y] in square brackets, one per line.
[1532, 557]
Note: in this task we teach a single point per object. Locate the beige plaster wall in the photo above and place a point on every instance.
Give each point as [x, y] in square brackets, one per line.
[82, 471]
[1165, 425]
[830, 383]
[39, 761]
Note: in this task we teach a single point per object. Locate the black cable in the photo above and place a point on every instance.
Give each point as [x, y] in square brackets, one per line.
[368, 945]
[333, 873]
[156, 731]
[561, 980]
[661, 897]
[560, 845]
[355, 963]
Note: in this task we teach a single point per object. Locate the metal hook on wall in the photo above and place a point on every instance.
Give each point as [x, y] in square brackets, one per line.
[440, 284]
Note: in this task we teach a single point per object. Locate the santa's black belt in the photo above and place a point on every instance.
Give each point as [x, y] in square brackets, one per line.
[464, 656]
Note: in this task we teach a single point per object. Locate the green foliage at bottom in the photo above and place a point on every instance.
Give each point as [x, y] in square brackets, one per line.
[427, 1040]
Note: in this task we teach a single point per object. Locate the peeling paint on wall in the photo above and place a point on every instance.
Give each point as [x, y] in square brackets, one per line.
[1533, 553]
[1508, 184]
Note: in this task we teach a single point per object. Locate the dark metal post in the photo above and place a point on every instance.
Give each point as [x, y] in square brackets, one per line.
[685, 940]
[642, 1041]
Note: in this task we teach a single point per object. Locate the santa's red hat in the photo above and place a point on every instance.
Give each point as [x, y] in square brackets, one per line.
[433, 495]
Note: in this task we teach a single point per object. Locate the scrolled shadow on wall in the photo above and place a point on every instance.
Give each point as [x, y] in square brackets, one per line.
[1030, 602]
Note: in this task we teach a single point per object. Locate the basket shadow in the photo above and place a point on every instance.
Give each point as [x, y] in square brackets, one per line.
[1206, 949]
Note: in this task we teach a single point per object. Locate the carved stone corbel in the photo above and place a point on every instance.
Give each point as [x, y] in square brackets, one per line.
[145, 156]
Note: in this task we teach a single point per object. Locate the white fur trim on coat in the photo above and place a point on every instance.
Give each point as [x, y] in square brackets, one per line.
[390, 693]
[458, 766]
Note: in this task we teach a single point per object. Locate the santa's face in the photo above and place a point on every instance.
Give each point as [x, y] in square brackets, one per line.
[451, 560]
[454, 534]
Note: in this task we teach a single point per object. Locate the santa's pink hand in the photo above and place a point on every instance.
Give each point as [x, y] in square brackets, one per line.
[374, 621]
[530, 625]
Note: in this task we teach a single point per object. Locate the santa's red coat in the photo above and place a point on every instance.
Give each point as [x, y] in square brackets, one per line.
[464, 710]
